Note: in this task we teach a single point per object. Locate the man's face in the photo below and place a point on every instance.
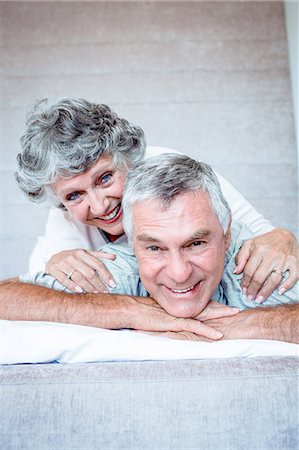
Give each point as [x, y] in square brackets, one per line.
[180, 252]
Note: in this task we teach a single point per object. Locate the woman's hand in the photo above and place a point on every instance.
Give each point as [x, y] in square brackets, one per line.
[264, 260]
[81, 271]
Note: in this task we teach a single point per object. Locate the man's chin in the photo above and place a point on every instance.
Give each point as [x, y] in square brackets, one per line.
[183, 311]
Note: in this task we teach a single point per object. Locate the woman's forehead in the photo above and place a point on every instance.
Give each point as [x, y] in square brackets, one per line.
[83, 180]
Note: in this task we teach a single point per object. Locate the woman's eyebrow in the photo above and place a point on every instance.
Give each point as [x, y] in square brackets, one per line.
[100, 171]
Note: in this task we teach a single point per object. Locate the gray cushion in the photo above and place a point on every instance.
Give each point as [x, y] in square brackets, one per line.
[207, 404]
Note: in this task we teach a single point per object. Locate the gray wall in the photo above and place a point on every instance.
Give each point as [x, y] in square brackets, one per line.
[292, 13]
[208, 78]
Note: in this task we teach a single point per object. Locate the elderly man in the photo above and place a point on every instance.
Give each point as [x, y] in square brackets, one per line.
[179, 225]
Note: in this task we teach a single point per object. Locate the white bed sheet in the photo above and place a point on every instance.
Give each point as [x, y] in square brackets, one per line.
[44, 342]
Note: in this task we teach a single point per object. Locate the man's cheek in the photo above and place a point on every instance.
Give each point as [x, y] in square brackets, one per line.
[147, 269]
[211, 260]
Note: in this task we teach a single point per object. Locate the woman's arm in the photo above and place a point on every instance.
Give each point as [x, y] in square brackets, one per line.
[261, 259]
[62, 233]
[242, 210]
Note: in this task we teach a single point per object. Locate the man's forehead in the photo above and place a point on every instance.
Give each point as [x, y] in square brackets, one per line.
[186, 198]
[189, 214]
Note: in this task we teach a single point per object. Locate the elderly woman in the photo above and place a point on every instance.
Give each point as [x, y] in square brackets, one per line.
[76, 154]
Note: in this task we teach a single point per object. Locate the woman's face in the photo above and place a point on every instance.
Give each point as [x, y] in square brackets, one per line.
[94, 197]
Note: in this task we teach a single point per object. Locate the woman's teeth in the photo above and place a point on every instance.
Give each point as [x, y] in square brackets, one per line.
[112, 214]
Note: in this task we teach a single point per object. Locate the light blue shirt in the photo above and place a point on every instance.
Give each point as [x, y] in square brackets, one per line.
[126, 275]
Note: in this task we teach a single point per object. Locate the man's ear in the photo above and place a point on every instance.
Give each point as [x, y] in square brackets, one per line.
[227, 236]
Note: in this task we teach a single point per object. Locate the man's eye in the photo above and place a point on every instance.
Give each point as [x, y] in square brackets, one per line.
[153, 248]
[73, 196]
[106, 178]
[197, 243]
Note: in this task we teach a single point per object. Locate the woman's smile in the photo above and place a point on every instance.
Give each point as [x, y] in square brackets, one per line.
[113, 215]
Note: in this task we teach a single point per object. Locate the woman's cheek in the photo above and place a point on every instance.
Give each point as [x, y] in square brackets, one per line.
[79, 213]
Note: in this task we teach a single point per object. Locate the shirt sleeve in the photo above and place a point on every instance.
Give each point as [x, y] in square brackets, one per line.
[43, 279]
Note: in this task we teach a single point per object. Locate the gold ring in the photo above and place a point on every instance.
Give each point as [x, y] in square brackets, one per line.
[280, 272]
[69, 275]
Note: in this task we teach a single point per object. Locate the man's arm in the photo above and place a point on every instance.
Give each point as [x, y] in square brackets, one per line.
[24, 301]
[280, 323]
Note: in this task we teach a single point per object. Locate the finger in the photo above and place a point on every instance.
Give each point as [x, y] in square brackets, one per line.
[272, 283]
[100, 254]
[251, 267]
[82, 275]
[289, 282]
[217, 312]
[195, 326]
[95, 274]
[99, 267]
[89, 280]
[66, 282]
[243, 256]
[184, 335]
[262, 283]
[181, 335]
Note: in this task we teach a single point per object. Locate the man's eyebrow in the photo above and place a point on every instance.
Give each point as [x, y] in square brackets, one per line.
[199, 235]
[147, 238]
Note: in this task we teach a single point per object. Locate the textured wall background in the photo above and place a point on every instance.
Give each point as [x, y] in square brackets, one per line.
[208, 78]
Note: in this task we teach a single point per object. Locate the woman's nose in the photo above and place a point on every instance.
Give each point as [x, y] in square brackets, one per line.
[98, 203]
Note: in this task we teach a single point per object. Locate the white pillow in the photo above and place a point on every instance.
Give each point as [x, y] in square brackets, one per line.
[41, 342]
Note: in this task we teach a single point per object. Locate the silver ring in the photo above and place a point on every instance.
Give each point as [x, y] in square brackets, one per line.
[280, 272]
[69, 275]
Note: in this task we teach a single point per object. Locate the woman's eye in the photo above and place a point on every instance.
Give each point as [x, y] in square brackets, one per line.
[106, 178]
[73, 197]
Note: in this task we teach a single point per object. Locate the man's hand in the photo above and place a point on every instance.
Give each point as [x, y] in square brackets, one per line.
[280, 323]
[22, 301]
[195, 329]
[260, 256]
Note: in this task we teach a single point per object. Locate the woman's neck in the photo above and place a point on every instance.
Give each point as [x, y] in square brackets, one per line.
[113, 238]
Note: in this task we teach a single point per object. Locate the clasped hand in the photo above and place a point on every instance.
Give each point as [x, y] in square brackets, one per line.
[264, 260]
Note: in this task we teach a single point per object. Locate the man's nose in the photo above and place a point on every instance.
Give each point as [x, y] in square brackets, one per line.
[98, 203]
[179, 268]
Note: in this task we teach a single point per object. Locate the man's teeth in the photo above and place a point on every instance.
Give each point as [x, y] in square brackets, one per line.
[182, 291]
[112, 214]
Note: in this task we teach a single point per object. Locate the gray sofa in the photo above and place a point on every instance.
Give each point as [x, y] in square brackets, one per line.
[236, 403]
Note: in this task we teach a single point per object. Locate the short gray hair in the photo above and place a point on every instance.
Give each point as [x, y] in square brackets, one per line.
[68, 138]
[163, 177]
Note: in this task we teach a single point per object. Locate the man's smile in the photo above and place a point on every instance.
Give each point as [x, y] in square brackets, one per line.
[184, 292]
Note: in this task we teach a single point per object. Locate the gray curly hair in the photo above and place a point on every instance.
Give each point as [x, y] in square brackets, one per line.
[68, 138]
[163, 177]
